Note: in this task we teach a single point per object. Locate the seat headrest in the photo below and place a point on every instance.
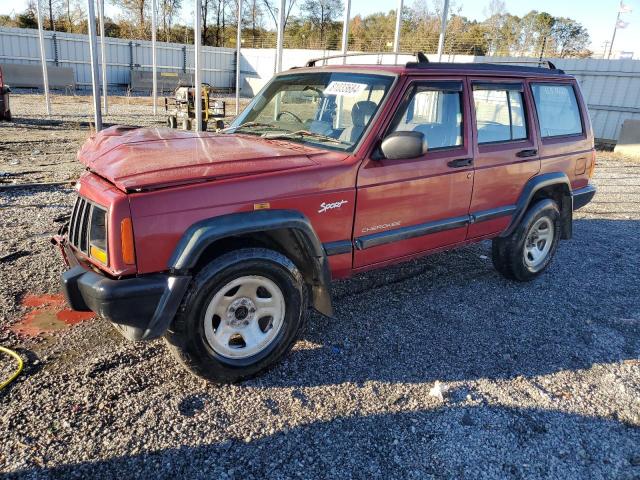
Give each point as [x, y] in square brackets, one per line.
[361, 112]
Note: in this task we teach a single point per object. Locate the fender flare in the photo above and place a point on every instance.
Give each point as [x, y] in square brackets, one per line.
[534, 185]
[304, 242]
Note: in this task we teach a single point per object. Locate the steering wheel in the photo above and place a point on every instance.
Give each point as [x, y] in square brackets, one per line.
[295, 117]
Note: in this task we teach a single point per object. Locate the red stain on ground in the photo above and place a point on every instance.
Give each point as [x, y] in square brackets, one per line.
[46, 314]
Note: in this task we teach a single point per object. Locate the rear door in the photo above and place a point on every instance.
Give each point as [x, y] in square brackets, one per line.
[506, 151]
[405, 207]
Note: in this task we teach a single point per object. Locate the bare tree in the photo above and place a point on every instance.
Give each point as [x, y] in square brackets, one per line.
[168, 11]
[273, 10]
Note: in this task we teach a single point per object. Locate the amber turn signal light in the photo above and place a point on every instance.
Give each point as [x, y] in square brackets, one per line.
[126, 238]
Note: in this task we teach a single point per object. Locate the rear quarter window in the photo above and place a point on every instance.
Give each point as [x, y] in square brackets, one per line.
[558, 111]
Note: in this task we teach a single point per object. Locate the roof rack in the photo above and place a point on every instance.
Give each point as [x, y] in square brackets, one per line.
[422, 61]
[313, 61]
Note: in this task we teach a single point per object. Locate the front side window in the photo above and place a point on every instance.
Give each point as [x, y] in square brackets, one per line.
[435, 111]
[557, 108]
[500, 115]
[328, 109]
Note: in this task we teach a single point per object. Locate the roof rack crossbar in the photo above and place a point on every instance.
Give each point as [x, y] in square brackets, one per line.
[312, 63]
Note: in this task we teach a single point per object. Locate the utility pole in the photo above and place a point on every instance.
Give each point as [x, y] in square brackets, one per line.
[52, 25]
[619, 24]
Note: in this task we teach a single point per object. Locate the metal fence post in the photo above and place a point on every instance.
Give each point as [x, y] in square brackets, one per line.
[103, 57]
[154, 66]
[197, 87]
[93, 50]
[280, 41]
[345, 29]
[396, 39]
[238, 58]
[43, 60]
[443, 29]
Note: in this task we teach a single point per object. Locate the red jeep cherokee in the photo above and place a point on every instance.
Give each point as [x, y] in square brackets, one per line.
[219, 241]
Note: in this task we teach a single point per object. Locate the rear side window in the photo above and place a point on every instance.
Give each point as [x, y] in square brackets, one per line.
[500, 115]
[435, 110]
[557, 108]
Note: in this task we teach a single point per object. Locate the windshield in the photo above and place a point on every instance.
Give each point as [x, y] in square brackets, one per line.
[330, 109]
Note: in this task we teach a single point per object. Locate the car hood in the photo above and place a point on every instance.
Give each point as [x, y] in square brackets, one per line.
[145, 158]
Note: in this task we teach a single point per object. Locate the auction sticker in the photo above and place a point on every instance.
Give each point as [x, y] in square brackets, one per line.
[346, 89]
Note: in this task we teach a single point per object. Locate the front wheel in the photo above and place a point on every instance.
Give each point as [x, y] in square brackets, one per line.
[242, 313]
[528, 251]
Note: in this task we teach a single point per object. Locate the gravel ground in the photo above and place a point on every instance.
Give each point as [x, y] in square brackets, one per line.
[538, 380]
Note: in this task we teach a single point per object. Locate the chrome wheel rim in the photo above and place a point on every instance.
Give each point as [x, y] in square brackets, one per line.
[538, 243]
[244, 317]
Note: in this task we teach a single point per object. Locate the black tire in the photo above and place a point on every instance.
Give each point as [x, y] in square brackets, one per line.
[204, 125]
[186, 124]
[508, 253]
[172, 121]
[187, 339]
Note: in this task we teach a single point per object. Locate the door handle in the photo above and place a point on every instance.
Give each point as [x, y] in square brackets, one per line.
[527, 153]
[460, 162]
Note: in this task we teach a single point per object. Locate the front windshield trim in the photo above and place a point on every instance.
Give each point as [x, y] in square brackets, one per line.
[353, 149]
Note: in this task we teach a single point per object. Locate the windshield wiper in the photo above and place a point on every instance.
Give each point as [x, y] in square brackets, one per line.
[306, 133]
[253, 124]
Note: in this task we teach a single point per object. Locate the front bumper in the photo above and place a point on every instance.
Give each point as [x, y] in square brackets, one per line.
[582, 196]
[142, 307]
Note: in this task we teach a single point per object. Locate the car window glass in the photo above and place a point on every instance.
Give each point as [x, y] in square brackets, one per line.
[328, 109]
[500, 115]
[557, 107]
[435, 113]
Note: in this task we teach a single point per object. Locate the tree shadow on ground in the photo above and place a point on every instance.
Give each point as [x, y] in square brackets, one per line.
[451, 317]
[457, 442]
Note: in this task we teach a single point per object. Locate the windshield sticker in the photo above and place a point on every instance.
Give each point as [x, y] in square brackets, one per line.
[345, 89]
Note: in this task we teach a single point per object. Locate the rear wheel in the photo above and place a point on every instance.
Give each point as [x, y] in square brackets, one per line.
[528, 251]
[242, 312]
[172, 121]
[186, 124]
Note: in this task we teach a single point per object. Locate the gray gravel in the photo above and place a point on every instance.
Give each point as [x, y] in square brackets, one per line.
[540, 380]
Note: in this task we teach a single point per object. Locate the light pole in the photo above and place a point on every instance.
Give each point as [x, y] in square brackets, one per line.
[619, 24]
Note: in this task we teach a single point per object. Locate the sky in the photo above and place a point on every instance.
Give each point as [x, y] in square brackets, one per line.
[598, 16]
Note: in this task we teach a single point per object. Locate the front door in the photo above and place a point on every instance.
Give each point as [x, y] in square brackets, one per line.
[406, 207]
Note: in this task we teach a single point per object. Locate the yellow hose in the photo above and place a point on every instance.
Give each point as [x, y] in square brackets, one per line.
[17, 371]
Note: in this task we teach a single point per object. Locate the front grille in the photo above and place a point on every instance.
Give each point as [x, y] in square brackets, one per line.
[80, 225]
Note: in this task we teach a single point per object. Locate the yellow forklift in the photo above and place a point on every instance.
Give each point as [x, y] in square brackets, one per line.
[181, 108]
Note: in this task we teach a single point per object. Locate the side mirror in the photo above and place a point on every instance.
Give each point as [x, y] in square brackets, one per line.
[219, 125]
[403, 145]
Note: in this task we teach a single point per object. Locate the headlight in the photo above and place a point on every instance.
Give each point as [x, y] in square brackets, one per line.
[98, 234]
